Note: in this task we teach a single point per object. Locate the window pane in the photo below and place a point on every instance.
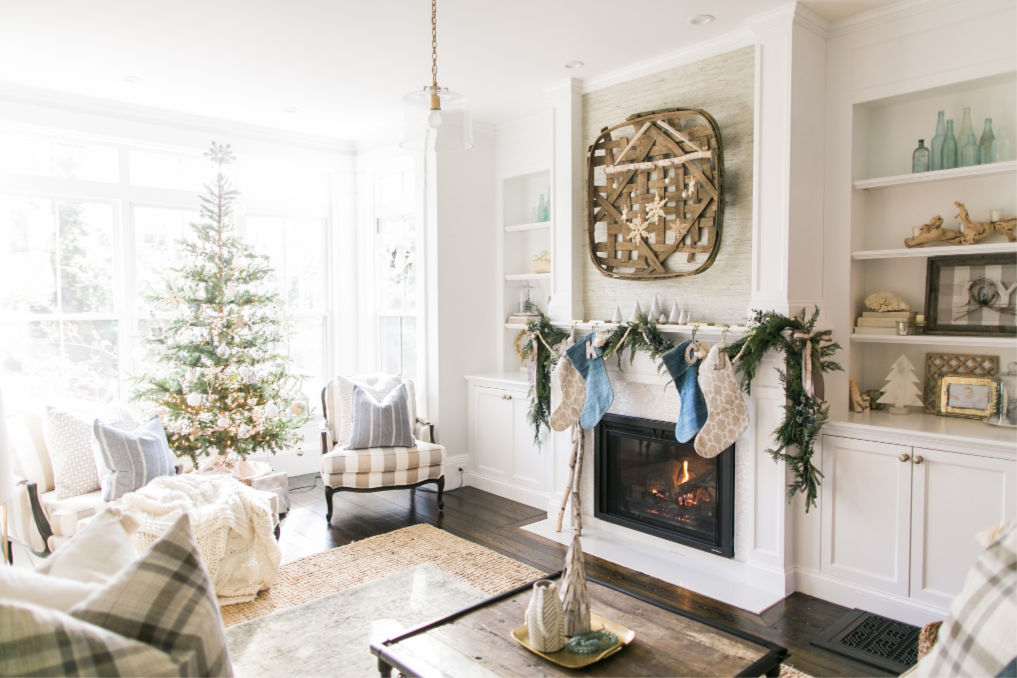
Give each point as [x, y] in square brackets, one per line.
[397, 243]
[307, 349]
[156, 232]
[275, 186]
[44, 157]
[29, 361]
[169, 170]
[397, 349]
[86, 257]
[28, 277]
[296, 250]
[90, 359]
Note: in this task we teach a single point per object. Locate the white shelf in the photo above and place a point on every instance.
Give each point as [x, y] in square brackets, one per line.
[527, 276]
[710, 332]
[938, 175]
[936, 251]
[536, 226]
[1008, 341]
[921, 429]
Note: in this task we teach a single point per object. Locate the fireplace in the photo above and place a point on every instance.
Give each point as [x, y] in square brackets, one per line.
[646, 480]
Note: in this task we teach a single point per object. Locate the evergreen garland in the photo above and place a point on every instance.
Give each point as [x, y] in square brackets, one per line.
[804, 415]
[539, 415]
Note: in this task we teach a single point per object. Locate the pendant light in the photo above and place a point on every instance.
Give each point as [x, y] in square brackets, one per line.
[437, 113]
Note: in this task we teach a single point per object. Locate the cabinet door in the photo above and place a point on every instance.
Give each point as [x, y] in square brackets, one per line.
[493, 432]
[527, 462]
[954, 496]
[866, 495]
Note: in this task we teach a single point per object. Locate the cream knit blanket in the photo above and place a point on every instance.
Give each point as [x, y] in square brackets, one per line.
[232, 525]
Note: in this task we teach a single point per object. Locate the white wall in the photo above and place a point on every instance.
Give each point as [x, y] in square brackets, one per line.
[463, 313]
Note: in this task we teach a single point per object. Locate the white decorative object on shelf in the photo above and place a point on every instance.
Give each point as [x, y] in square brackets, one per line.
[676, 315]
[544, 618]
[901, 388]
[654, 309]
[886, 301]
[637, 312]
[616, 317]
[662, 319]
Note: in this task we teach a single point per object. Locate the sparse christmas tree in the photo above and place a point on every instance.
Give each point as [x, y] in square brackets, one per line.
[219, 383]
[901, 387]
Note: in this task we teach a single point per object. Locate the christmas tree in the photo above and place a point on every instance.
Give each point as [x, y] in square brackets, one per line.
[901, 387]
[220, 385]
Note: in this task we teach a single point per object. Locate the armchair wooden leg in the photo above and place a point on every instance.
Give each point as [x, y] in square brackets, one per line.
[328, 503]
[441, 490]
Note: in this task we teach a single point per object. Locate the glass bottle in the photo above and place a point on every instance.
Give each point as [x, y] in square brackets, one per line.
[987, 144]
[965, 128]
[949, 147]
[920, 158]
[936, 162]
[1002, 149]
[968, 154]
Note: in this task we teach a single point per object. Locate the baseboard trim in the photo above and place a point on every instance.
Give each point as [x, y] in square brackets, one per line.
[836, 590]
[532, 498]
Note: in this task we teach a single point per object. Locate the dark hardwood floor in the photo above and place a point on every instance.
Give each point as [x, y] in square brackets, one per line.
[494, 522]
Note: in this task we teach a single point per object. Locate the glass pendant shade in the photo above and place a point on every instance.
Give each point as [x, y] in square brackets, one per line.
[449, 127]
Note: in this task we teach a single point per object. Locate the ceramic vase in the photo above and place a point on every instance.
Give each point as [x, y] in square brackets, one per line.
[544, 618]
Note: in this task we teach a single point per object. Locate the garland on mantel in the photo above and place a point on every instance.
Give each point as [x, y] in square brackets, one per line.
[807, 355]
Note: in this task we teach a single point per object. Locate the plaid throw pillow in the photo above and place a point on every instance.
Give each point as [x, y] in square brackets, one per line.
[384, 424]
[977, 638]
[165, 600]
[132, 458]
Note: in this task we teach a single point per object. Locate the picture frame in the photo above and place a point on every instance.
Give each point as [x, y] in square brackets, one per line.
[967, 396]
[971, 294]
[966, 364]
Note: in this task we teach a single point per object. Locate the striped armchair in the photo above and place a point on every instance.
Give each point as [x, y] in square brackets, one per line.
[375, 468]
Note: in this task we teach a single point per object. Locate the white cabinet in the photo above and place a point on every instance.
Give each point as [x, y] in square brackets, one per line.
[902, 519]
[505, 460]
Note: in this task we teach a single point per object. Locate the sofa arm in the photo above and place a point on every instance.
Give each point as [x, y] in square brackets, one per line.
[424, 431]
[30, 525]
[326, 440]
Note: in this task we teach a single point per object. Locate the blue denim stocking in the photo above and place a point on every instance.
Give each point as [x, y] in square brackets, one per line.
[589, 362]
[686, 379]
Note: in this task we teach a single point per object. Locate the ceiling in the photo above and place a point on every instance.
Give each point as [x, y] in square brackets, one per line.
[338, 68]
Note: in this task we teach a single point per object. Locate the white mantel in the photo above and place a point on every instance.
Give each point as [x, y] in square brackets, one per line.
[759, 574]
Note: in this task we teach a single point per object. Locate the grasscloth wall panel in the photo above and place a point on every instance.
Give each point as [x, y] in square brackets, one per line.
[723, 86]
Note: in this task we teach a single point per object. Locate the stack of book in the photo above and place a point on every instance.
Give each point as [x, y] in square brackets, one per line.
[522, 318]
[881, 322]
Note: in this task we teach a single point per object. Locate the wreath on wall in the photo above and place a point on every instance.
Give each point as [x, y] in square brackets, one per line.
[808, 354]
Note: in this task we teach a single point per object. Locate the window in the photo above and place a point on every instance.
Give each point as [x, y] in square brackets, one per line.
[84, 246]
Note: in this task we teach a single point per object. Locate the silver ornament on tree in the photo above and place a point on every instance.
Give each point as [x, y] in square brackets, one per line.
[193, 399]
[271, 411]
[545, 618]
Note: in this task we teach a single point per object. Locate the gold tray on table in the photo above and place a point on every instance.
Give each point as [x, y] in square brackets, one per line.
[571, 660]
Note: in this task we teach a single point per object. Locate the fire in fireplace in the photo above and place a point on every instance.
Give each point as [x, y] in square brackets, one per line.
[648, 481]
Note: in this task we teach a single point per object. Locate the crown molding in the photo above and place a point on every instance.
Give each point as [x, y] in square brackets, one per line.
[107, 108]
[903, 9]
[697, 52]
[811, 21]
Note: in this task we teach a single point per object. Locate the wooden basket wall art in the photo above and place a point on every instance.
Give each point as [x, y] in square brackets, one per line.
[656, 195]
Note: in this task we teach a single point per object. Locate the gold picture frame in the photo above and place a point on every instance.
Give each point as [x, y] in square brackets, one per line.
[966, 396]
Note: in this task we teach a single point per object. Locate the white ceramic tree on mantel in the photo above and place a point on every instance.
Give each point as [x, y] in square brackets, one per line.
[901, 387]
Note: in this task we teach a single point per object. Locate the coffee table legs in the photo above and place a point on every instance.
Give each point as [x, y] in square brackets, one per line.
[383, 668]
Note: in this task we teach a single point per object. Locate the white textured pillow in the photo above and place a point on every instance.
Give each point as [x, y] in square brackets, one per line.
[69, 441]
[56, 593]
[97, 551]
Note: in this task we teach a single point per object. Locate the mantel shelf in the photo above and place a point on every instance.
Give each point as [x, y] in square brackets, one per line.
[539, 225]
[709, 332]
[936, 251]
[1006, 341]
[1009, 166]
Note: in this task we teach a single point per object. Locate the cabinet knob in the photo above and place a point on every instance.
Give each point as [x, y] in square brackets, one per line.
[506, 396]
[904, 457]
[919, 459]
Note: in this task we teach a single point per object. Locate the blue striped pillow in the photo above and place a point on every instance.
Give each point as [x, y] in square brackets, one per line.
[384, 424]
[132, 458]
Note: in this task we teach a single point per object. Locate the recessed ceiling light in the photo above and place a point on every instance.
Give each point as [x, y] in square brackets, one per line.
[291, 109]
[132, 79]
[700, 19]
[574, 64]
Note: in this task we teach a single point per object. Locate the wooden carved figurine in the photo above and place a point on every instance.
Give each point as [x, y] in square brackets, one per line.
[859, 401]
[970, 233]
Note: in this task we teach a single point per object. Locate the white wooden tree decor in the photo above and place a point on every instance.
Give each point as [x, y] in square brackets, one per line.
[656, 195]
[901, 387]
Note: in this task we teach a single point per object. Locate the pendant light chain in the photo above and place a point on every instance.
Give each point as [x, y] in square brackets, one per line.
[434, 44]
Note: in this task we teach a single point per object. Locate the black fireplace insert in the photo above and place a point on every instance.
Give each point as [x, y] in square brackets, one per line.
[648, 481]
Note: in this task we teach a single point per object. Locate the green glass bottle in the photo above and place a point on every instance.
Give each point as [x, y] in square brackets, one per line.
[936, 160]
[987, 144]
[949, 147]
[920, 158]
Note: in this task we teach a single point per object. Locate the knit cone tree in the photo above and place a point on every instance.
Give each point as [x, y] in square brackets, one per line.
[218, 381]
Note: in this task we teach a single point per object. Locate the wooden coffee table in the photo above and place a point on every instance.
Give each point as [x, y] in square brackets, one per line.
[477, 641]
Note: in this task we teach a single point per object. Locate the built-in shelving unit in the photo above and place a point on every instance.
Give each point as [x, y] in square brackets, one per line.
[1007, 167]
[515, 277]
[535, 226]
[889, 203]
